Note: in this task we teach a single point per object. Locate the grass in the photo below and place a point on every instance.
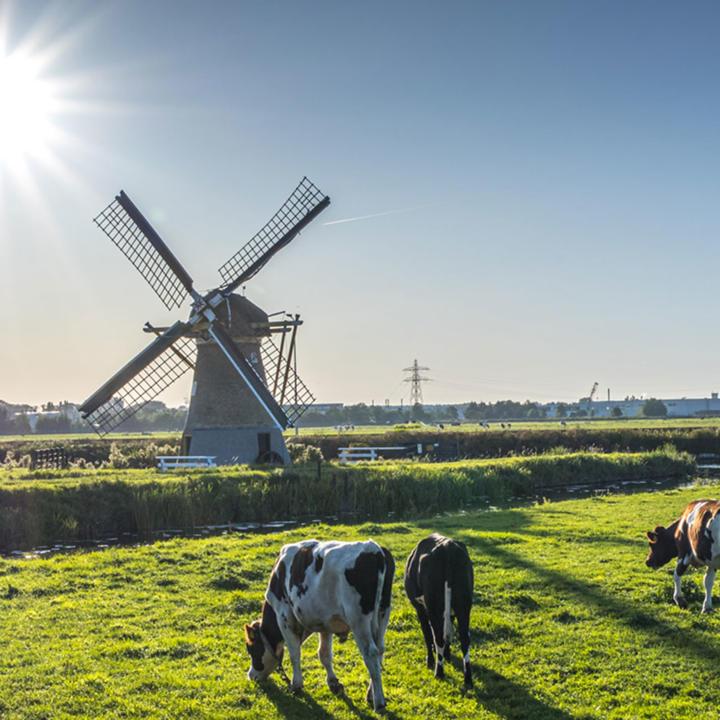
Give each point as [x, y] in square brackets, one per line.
[585, 424]
[567, 623]
[495, 426]
[45, 506]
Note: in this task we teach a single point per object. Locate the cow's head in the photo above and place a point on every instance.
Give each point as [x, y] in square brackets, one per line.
[662, 547]
[263, 659]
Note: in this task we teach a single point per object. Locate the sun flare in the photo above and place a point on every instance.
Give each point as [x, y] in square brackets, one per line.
[26, 108]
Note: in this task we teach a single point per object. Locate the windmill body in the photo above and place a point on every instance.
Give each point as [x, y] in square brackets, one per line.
[225, 419]
[245, 389]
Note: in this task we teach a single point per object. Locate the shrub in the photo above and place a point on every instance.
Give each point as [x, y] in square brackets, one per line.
[301, 453]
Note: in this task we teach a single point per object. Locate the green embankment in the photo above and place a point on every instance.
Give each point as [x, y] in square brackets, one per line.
[41, 507]
[567, 624]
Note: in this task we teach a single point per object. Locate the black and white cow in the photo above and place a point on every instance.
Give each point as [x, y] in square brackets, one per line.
[332, 588]
[694, 539]
[439, 584]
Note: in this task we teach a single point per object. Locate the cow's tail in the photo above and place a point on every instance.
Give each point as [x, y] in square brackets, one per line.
[375, 622]
[383, 593]
[447, 619]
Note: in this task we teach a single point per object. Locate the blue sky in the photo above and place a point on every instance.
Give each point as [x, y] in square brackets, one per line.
[560, 158]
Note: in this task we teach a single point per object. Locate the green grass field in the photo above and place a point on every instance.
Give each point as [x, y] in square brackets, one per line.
[495, 425]
[640, 423]
[567, 623]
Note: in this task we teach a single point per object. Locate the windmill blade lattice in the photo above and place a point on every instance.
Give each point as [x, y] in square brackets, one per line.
[285, 384]
[125, 225]
[145, 385]
[304, 204]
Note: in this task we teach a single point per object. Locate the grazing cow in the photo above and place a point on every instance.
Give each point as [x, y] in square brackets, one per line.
[694, 539]
[331, 588]
[439, 584]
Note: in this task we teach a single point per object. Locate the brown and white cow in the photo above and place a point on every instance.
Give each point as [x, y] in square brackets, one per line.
[331, 588]
[694, 539]
[439, 585]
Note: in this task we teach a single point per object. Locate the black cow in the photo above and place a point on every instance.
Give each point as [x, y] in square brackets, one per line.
[439, 584]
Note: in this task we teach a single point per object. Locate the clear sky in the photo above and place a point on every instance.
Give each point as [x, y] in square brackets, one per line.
[557, 161]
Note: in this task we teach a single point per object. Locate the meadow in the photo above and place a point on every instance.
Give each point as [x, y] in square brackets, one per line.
[497, 426]
[567, 623]
[471, 427]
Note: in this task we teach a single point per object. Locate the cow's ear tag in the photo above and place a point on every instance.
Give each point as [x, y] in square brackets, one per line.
[651, 536]
[249, 633]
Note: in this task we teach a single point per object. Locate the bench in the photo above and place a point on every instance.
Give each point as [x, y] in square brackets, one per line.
[184, 462]
[348, 455]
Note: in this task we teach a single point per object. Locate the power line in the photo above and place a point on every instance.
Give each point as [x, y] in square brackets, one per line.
[416, 380]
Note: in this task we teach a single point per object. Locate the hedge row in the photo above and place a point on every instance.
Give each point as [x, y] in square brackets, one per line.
[502, 443]
[462, 444]
[91, 449]
[44, 507]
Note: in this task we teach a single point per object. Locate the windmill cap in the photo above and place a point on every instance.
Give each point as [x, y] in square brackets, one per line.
[241, 317]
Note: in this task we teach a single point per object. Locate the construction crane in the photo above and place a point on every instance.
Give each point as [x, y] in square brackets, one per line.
[592, 394]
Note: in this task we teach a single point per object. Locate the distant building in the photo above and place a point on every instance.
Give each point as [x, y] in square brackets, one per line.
[632, 407]
[65, 410]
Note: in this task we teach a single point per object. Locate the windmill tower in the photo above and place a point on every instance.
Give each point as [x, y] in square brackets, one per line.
[245, 390]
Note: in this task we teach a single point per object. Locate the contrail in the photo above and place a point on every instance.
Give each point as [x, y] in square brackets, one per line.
[374, 215]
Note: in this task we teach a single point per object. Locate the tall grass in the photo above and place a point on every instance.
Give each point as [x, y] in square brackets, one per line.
[40, 507]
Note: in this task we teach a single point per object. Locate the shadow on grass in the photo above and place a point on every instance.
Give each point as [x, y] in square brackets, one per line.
[294, 706]
[687, 641]
[303, 705]
[365, 712]
[512, 524]
[502, 696]
[553, 534]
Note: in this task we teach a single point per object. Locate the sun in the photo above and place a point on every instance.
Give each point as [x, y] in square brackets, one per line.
[27, 104]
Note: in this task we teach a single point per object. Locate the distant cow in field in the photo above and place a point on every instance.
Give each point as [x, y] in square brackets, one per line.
[694, 539]
[439, 584]
[331, 588]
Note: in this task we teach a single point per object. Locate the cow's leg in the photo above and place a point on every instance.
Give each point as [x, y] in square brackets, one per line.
[427, 634]
[294, 647]
[678, 596]
[461, 608]
[708, 581]
[437, 623]
[434, 593]
[325, 653]
[383, 620]
[371, 658]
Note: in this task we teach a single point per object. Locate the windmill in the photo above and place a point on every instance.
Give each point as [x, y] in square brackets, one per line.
[245, 389]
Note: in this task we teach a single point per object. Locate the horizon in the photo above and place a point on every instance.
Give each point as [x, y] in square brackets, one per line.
[523, 196]
[394, 406]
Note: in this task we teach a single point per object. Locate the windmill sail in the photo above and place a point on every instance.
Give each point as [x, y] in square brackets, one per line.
[287, 388]
[150, 372]
[127, 227]
[304, 204]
